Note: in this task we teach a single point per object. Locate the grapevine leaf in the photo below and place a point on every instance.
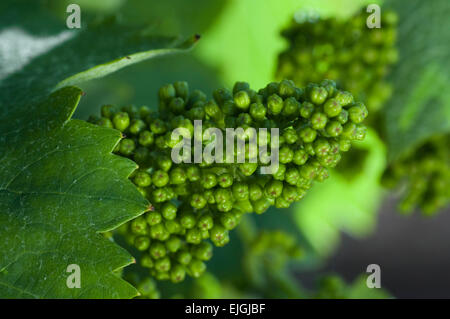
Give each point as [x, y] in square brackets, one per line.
[60, 186]
[420, 106]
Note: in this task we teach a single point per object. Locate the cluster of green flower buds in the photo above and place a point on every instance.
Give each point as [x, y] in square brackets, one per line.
[424, 176]
[197, 204]
[347, 51]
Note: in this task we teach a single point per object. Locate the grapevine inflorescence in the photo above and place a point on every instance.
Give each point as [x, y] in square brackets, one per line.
[198, 204]
[425, 174]
[347, 51]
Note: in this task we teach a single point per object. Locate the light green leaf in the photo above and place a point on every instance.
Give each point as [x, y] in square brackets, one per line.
[420, 106]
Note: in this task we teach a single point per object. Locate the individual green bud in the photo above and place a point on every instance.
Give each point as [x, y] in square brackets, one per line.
[300, 157]
[127, 146]
[344, 98]
[321, 147]
[289, 193]
[160, 195]
[332, 108]
[244, 120]
[181, 89]
[345, 144]
[221, 95]
[286, 154]
[343, 117]
[334, 128]
[162, 264]
[290, 136]
[196, 96]
[144, 111]
[261, 205]
[255, 192]
[240, 191]
[160, 178]
[209, 180]
[292, 175]
[194, 236]
[177, 176]
[142, 243]
[121, 121]
[176, 105]
[161, 275]
[173, 244]
[158, 126]
[308, 171]
[275, 104]
[308, 134]
[193, 173]
[196, 268]
[228, 221]
[198, 201]
[147, 261]
[248, 168]
[169, 211]
[159, 232]
[153, 218]
[183, 257]
[357, 114]
[318, 95]
[139, 226]
[205, 222]
[177, 274]
[273, 189]
[142, 179]
[223, 195]
[203, 251]
[209, 195]
[280, 202]
[361, 131]
[286, 88]
[291, 107]
[225, 180]
[188, 220]
[306, 110]
[225, 206]
[318, 120]
[157, 250]
[172, 226]
[136, 126]
[349, 131]
[167, 92]
[146, 138]
[240, 86]
[242, 100]
[218, 234]
[258, 111]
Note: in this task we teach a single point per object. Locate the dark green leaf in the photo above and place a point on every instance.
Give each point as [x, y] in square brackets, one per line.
[420, 106]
